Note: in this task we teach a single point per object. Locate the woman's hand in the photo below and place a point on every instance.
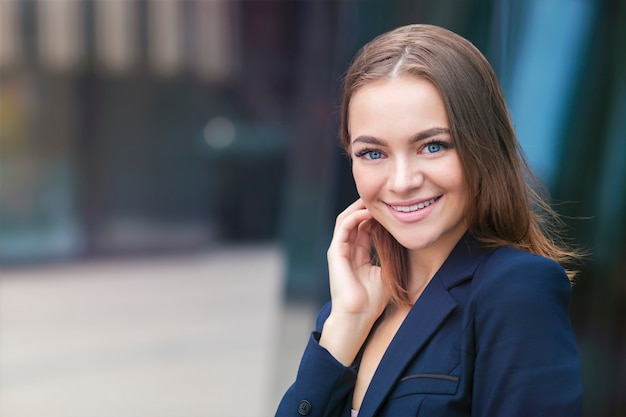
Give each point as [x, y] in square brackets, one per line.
[355, 284]
[357, 292]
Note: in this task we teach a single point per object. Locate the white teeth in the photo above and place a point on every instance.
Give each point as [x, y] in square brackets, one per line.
[414, 207]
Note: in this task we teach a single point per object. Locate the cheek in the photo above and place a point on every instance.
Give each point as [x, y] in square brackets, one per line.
[366, 183]
[453, 182]
[457, 185]
[450, 175]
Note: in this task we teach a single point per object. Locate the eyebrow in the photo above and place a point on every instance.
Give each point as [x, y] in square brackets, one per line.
[425, 134]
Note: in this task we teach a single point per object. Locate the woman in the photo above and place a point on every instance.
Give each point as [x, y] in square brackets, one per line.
[464, 309]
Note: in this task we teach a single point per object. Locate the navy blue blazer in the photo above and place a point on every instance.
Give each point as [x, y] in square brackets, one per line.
[490, 336]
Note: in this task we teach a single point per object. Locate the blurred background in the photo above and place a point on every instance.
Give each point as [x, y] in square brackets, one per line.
[170, 174]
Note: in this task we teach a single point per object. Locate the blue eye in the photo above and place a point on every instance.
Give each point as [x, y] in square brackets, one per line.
[374, 155]
[433, 147]
[370, 154]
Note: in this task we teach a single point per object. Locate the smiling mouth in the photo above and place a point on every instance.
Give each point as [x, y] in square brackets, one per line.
[415, 207]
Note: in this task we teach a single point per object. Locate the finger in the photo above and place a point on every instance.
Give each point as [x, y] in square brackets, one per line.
[362, 246]
[346, 228]
[356, 205]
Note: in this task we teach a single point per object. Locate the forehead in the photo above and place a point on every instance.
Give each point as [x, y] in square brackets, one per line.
[394, 107]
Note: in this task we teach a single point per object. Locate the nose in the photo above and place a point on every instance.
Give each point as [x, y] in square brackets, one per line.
[404, 176]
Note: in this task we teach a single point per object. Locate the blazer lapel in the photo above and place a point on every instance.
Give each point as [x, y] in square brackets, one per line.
[425, 317]
[430, 310]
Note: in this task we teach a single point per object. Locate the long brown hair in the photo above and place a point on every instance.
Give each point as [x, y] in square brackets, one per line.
[507, 204]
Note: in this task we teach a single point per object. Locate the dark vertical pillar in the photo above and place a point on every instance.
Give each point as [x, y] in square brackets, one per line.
[312, 162]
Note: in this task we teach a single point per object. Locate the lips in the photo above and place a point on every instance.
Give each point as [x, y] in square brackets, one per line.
[414, 207]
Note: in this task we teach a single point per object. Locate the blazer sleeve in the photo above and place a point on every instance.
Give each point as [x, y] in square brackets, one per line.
[322, 385]
[526, 361]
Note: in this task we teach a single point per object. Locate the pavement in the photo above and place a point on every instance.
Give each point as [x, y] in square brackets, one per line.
[197, 334]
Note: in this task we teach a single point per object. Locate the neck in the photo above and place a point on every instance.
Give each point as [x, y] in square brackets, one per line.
[424, 263]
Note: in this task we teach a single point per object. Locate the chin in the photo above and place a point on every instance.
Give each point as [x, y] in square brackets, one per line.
[411, 240]
[414, 243]
[424, 239]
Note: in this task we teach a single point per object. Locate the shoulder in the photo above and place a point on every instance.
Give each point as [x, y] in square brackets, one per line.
[517, 281]
[526, 359]
[509, 259]
[508, 266]
[514, 285]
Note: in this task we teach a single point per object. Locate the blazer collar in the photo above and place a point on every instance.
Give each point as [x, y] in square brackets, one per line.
[425, 317]
[462, 262]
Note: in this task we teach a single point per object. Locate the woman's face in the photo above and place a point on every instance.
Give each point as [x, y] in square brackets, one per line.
[405, 164]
